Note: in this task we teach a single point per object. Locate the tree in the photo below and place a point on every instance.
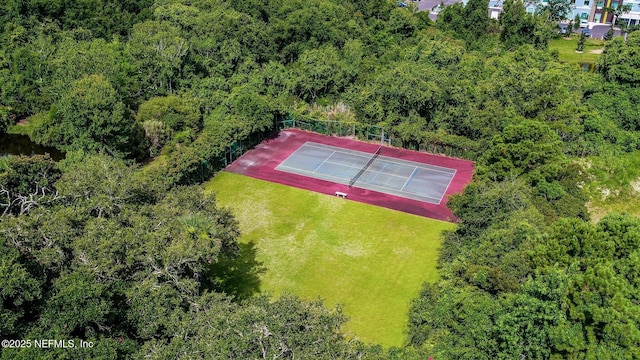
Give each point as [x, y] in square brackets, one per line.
[526, 323]
[76, 56]
[161, 117]
[557, 10]
[583, 39]
[221, 39]
[518, 27]
[107, 262]
[26, 183]
[99, 185]
[609, 34]
[91, 117]
[5, 121]
[617, 12]
[528, 148]
[290, 328]
[158, 50]
[304, 25]
[451, 18]
[250, 112]
[469, 23]
[103, 18]
[25, 64]
[319, 72]
[456, 322]
[481, 205]
[21, 289]
[176, 112]
[408, 92]
[619, 62]
[477, 17]
[402, 22]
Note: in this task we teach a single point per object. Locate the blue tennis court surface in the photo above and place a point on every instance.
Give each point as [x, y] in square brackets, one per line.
[388, 175]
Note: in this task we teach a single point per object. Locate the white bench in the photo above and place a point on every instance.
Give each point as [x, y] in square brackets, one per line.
[341, 194]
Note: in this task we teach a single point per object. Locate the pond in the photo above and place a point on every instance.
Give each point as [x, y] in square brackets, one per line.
[588, 67]
[13, 144]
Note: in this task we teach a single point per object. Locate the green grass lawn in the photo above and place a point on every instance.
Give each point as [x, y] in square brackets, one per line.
[20, 129]
[613, 184]
[369, 259]
[567, 50]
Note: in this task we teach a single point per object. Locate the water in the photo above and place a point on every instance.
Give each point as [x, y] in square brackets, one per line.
[12, 144]
[588, 67]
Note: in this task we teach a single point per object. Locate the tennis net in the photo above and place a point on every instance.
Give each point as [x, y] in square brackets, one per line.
[364, 168]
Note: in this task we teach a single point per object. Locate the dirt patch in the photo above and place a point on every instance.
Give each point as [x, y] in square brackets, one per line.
[595, 212]
[23, 122]
[596, 51]
[635, 185]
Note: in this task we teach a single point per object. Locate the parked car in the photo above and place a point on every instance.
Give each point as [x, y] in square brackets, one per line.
[584, 23]
[402, 4]
[586, 32]
[564, 30]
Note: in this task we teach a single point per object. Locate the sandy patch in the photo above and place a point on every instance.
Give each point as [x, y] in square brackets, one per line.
[596, 51]
[635, 185]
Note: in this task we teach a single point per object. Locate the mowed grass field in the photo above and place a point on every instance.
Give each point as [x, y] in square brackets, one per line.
[369, 259]
[567, 50]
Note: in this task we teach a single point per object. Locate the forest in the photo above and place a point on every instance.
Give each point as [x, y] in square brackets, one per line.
[119, 245]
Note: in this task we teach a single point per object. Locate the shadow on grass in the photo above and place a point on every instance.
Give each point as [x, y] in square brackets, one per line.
[239, 276]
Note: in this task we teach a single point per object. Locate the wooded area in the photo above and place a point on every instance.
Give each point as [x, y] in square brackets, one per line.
[99, 247]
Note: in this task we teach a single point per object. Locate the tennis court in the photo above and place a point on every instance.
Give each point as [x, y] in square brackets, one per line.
[376, 172]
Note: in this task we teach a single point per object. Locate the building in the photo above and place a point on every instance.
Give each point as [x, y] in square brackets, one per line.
[633, 17]
[582, 9]
[602, 16]
[591, 11]
[495, 8]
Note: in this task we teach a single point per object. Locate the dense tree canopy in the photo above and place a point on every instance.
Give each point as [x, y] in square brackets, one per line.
[91, 117]
[619, 61]
[99, 248]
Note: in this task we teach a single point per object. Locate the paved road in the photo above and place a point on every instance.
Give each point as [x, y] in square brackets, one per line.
[598, 31]
[426, 5]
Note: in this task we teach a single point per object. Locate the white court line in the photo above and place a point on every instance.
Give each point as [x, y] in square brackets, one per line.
[392, 191]
[337, 149]
[349, 166]
[396, 192]
[409, 178]
[443, 193]
[380, 188]
[402, 189]
[383, 159]
[291, 155]
[391, 160]
[295, 170]
[375, 175]
[345, 163]
[323, 161]
[401, 162]
[447, 188]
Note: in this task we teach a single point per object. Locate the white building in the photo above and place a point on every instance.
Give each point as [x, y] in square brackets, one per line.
[633, 17]
[582, 9]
